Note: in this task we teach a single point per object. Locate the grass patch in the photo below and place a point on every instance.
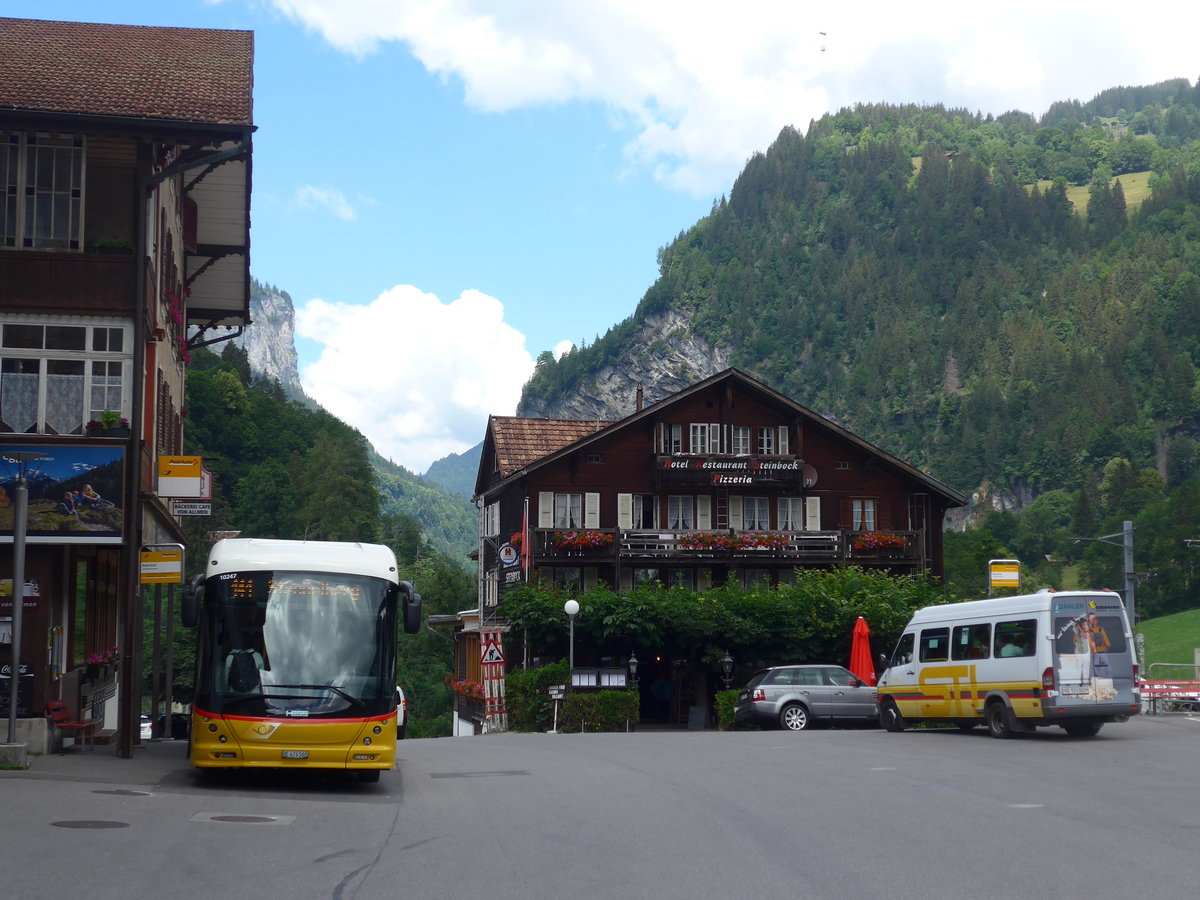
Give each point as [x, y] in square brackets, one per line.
[1136, 186]
[1172, 639]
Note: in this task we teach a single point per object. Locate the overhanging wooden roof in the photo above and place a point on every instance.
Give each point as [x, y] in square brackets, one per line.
[520, 442]
[188, 87]
[133, 71]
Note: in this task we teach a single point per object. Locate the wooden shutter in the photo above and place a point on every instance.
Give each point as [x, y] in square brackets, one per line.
[735, 512]
[625, 511]
[545, 509]
[812, 514]
[703, 512]
[782, 449]
[591, 510]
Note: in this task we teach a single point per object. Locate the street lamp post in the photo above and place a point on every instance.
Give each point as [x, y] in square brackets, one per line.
[571, 607]
[20, 510]
[633, 667]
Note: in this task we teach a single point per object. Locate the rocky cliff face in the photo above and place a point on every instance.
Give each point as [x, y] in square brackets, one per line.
[270, 339]
[664, 356]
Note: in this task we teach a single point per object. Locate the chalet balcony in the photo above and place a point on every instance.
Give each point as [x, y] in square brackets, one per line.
[43, 281]
[608, 546]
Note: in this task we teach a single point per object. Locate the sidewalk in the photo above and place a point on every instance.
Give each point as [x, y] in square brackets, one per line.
[151, 763]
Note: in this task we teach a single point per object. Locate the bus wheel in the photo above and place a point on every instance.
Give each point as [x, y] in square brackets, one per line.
[368, 775]
[1086, 728]
[997, 721]
[891, 718]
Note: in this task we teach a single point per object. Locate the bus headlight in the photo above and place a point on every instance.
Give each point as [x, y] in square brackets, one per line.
[366, 740]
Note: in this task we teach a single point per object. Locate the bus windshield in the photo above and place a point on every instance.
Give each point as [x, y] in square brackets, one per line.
[302, 644]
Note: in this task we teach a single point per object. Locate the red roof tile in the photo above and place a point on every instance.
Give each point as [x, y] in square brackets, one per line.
[520, 442]
[179, 74]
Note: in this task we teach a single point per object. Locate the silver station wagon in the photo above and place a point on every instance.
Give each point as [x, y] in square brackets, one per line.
[794, 697]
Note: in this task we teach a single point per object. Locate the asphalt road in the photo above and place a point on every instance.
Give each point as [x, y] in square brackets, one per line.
[821, 814]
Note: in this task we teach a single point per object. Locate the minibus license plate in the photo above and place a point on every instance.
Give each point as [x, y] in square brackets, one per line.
[295, 754]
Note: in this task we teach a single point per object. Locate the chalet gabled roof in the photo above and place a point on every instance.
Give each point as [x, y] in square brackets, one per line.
[520, 442]
[593, 431]
[127, 71]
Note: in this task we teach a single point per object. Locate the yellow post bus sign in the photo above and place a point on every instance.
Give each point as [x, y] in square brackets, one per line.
[162, 566]
[1004, 573]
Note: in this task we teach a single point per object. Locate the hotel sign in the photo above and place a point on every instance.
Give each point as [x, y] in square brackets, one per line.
[740, 470]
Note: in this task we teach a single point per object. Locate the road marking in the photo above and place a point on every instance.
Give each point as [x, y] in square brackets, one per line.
[242, 819]
[1026, 805]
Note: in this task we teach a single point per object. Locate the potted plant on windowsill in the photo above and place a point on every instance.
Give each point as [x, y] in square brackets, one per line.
[111, 424]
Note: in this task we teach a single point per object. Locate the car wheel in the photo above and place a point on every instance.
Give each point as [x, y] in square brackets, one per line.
[997, 721]
[794, 717]
[400, 731]
[891, 719]
[1086, 728]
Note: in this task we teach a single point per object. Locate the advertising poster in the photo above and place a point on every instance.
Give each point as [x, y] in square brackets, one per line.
[76, 493]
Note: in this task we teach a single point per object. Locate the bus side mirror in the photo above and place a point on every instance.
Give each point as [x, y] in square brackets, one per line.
[410, 604]
[883, 660]
[189, 612]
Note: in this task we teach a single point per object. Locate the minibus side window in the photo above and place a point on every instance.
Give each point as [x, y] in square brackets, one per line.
[1017, 638]
[971, 641]
[935, 644]
[903, 653]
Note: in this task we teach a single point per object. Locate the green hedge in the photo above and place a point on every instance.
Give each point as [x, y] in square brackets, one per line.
[525, 691]
[599, 711]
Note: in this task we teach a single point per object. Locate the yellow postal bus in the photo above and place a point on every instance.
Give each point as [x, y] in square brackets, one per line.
[1013, 664]
[296, 655]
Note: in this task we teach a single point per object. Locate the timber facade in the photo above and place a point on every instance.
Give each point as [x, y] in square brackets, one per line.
[125, 170]
[725, 480]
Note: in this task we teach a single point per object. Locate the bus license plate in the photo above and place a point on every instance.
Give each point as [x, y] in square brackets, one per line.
[295, 754]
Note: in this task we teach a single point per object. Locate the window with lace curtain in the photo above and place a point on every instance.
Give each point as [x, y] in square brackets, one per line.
[56, 375]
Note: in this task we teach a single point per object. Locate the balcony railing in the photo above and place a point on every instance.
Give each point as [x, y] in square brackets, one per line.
[601, 545]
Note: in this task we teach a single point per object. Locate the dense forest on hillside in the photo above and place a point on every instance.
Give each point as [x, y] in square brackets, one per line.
[980, 296]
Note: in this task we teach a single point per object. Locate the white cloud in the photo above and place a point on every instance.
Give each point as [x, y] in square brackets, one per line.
[310, 196]
[417, 376]
[702, 86]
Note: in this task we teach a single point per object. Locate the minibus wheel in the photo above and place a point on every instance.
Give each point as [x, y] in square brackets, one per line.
[891, 718]
[997, 720]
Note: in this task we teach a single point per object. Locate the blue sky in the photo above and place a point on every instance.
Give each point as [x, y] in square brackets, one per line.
[448, 188]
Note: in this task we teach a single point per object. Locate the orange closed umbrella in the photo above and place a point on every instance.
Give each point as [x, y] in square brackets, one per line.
[860, 652]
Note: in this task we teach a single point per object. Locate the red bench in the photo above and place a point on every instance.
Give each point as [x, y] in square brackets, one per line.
[1176, 695]
[61, 718]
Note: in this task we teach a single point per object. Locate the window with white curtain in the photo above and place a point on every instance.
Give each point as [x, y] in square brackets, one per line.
[681, 513]
[57, 375]
[863, 512]
[791, 513]
[568, 510]
[756, 513]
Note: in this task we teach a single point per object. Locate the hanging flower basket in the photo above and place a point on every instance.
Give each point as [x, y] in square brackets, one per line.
[581, 540]
[878, 541]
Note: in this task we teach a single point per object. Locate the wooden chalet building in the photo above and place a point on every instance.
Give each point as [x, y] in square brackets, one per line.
[727, 479]
[125, 170]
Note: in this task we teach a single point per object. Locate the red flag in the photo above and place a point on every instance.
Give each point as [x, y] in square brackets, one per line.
[525, 539]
